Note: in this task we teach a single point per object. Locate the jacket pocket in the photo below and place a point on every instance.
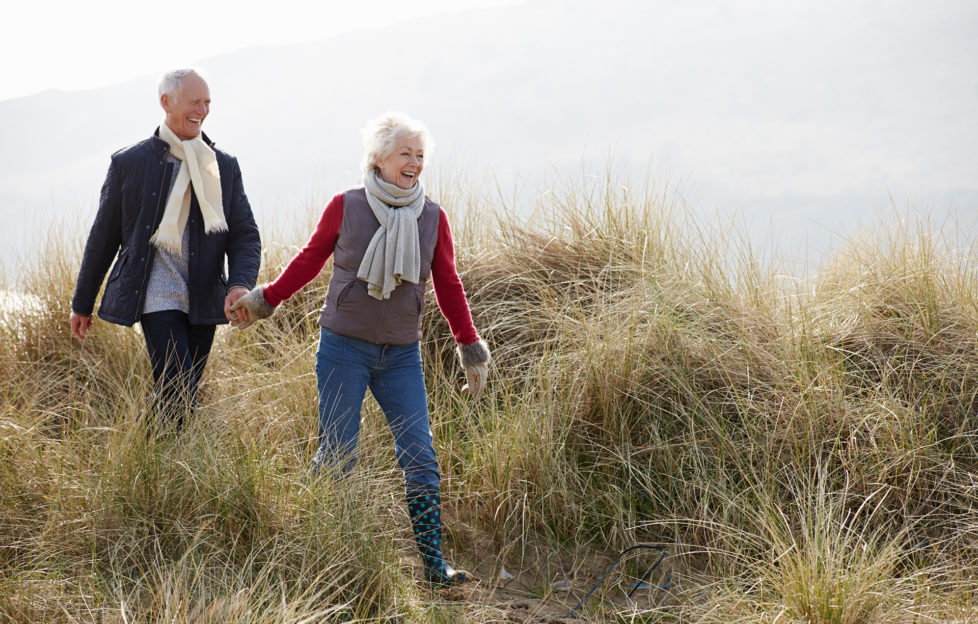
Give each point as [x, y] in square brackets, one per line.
[405, 306]
[419, 294]
[120, 264]
[345, 293]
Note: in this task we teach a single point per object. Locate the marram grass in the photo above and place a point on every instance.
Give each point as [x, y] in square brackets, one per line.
[806, 447]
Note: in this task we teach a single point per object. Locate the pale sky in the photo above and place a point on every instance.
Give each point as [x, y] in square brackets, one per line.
[71, 45]
[808, 116]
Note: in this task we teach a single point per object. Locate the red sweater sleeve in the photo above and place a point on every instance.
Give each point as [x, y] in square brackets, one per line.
[448, 287]
[311, 259]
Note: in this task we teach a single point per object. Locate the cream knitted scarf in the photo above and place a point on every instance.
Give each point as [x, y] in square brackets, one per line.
[394, 253]
[198, 167]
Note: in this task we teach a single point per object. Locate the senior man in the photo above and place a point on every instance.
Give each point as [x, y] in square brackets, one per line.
[172, 209]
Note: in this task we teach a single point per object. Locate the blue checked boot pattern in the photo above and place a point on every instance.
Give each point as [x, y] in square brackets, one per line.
[425, 512]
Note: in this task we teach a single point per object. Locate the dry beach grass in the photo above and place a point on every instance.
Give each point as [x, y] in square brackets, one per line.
[805, 448]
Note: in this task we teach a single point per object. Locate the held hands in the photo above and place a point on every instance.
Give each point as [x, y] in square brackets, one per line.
[234, 293]
[250, 308]
[475, 360]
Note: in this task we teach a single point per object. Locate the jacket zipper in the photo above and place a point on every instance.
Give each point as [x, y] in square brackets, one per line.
[150, 252]
[380, 320]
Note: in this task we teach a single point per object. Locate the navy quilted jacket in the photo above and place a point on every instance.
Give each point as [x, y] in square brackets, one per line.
[131, 208]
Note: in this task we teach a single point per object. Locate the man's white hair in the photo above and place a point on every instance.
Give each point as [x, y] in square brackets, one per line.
[380, 137]
[172, 81]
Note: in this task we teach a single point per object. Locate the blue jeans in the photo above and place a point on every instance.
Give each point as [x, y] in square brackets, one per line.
[345, 368]
[178, 352]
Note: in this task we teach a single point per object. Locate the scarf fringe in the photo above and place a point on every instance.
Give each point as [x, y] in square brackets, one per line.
[168, 238]
[214, 225]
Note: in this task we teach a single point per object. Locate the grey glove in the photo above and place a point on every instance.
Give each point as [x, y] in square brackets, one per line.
[250, 308]
[475, 360]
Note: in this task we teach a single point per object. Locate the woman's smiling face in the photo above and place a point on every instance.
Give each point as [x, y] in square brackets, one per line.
[403, 166]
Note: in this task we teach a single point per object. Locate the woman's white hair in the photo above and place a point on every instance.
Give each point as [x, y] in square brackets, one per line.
[172, 81]
[380, 137]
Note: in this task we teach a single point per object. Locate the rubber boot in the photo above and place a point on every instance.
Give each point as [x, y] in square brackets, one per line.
[425, 512]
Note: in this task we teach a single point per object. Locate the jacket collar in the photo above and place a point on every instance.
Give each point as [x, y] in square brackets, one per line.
[162, 146]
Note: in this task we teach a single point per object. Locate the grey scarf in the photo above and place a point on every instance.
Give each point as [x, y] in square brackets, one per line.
[394, 253]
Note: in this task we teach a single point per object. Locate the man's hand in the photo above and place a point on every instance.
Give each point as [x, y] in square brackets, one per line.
[250, 308]
[80, 324]
[233, 295]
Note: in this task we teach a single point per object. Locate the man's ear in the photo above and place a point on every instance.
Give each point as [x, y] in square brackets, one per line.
[165, 102]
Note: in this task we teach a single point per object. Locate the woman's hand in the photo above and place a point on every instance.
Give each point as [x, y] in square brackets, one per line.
[475, 360]
[476, 375]
[250, 308]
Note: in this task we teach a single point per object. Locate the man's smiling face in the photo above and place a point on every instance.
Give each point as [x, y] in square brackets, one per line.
[186, 111]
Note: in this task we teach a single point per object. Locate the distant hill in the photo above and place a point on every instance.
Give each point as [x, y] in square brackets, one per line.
[794, 116]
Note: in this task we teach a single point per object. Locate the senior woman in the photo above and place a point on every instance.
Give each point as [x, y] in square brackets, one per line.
[386, 238]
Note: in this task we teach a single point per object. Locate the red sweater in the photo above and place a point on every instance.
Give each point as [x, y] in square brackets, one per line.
[311, 259]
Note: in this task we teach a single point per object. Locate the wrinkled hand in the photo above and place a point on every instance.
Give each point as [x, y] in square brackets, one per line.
[250, 308]
[475, 359]
[476, 375]
[233, 295]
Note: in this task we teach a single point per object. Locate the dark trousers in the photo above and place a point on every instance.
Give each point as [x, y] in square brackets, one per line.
[178, 352]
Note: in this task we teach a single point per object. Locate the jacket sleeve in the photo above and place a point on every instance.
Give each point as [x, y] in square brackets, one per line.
[104, 240]
[244, 241]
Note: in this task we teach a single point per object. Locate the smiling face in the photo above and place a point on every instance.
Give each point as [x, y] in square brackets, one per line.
[186, 110]
[403, 166]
